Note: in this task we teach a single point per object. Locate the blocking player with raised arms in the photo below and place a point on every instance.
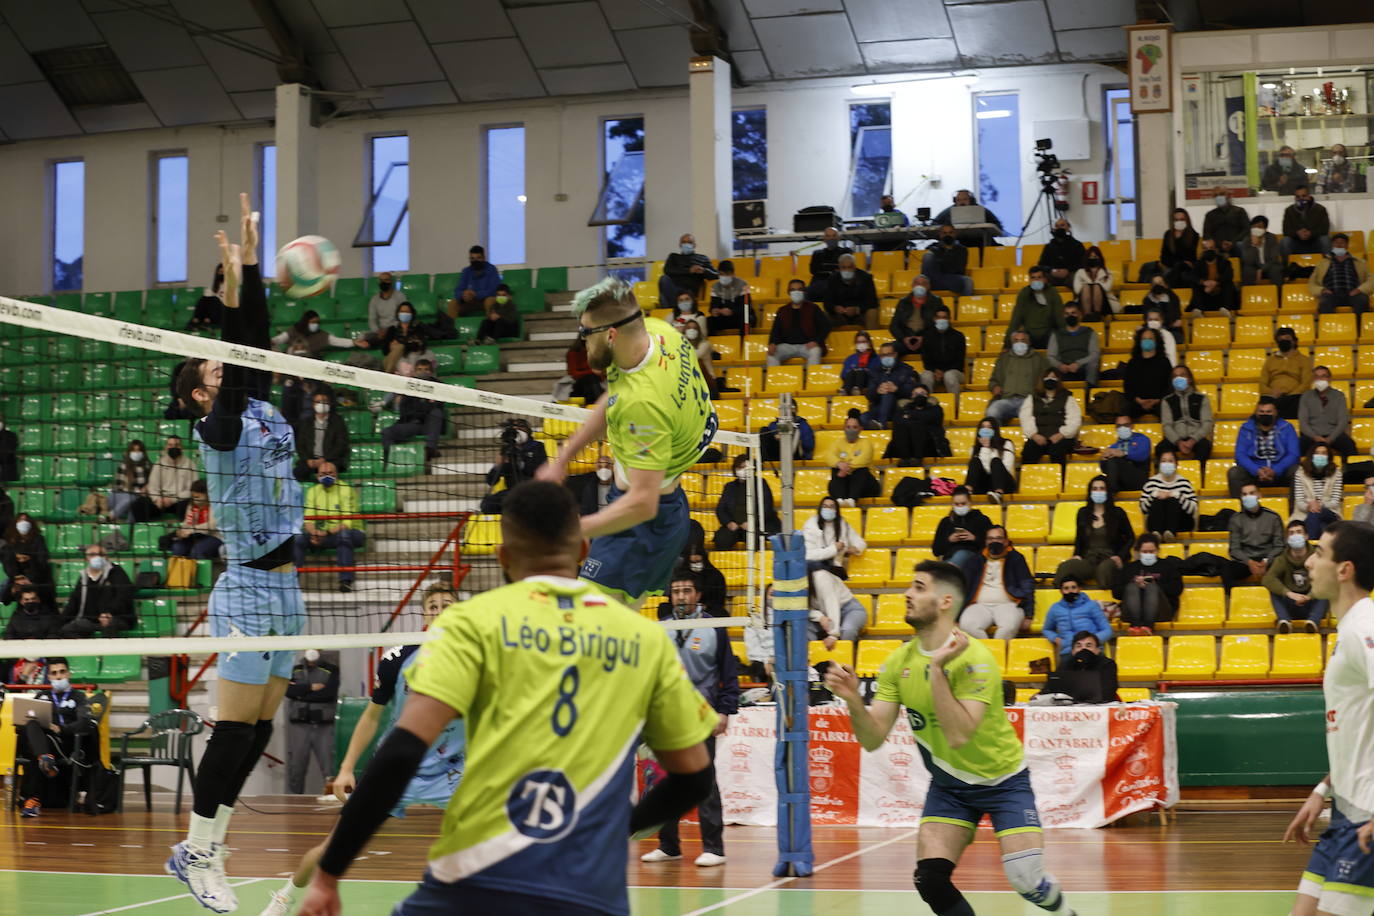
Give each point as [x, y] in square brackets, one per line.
[438, 774]
[1339, 878]
[657, 415]
[557, 684]
[248, 450]
[951, 689]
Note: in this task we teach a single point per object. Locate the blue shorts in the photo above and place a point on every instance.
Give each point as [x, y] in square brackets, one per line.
[1010, 804]
[1339, 875]
[639, 561]
[435, 898]
[256, 602]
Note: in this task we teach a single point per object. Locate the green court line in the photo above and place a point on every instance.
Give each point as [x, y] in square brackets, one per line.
[67, 894]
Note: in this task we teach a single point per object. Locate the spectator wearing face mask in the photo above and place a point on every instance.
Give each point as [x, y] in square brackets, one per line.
[1169, 337]
[131, 481]
[381, 309]
[830, 542]
[1215, 289]
[946, 263]
[1266, 450]
[331, 497]
[684, 271]
[849, 460]
[1063, 255]
[394, 340]
[691, 324]
[1257, 537]
[1050, 419]
[323, 437]
[1261, 256]
[799, 329]
[24, 551]
[1014, 377]
[1306, 224]
[1000, 590]
[1146, 379]
[1102, 539]
[417, 416]
[502, 317]
[1284, 173]
[1226, 223]
[992, 464]
[1148, 588]
[1341, 280]
[918, 430]
[196, 537]
[696, 559]
[1186, 415]
[1168, 501]
[1074, 350]
[1317, 491]
[593, 488]
[731, 306]
[308, 338]
[102, 602]
[1290, 585]
[1287, 373]
[1038, 311]
[1092, 287]
[1126, 462]
[825, 260]
[854, 372]
[1160, 298]
[1074, 612]
[35, 618]
[209, 307]
[732, 509]
[1324, 417]
[521, 457]
[1178, 253]
[959, 536]
[850, 296]
[475, 291]
[50, 749]
[944, 354]
[914, 316]
[169, 484]
[890, 383]
[1085, 675]
[1338, 176]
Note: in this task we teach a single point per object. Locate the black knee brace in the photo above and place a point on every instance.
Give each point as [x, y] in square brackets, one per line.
[225, 750]
[932, 877]
[262, 733]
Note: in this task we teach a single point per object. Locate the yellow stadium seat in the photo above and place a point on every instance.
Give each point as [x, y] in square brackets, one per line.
[1236, 401]
[841, 406]
[1139, 658]
[1024, 694]
[646, 293]
[872, 654]
[1078, 474]
[1044, 598]
[1121, 335]
[886, 525]
[763, 287]
[1191, 658]
[482, 535]
[748, 379]
[738, 648]
[755, 348]
[1243, 365]
[999, 256]
[854, 516]
[988, 279]
[1131, 297]
[1202, 608]
[1250, 330]
[1250, 608]
[894, 476]
[871, 568]
[842, 654]
[1018, 277]
[1027, 523]
[974, 310]
[1040, 481]
[1021, 652]
[904, 563]
[1297, 300]
[1224, 439]
[887, 261]
[960, 438]
[1364, 361]
[1030, 254]
[1064, 525]
[783, 378]
[1338, 359]
[730, 414]
[777, 266]
[1356, 243]
[1259, 299]
[1367, 327]
[1132, 694]
[728, 346]
[1048, 558]
[998, 648]
[823, 379]
[889, 616]
[815, 410]
[1208, 332]
[1340, 328]
[1207, 365]
[973, 406]
[1243, 657]
[812, 486]
[1297, 655]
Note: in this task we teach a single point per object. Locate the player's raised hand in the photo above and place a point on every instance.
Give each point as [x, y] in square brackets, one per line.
[322, 897]
[552, 471]
[248, 230]
[842, 682]
[229, 254]
[958, 642]
[1300, 829]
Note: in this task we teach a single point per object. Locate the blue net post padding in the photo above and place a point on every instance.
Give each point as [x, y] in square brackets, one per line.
[790, 610]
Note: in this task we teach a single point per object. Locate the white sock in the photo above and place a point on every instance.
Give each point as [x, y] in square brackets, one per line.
[201, 833]
[221, 822]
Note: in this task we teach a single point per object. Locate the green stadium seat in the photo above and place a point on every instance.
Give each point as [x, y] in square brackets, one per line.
[66, 501]
[98, 376]
[36, 501]
[116, 669]
[161, 313]
[156, 617]
[351, 308]
[129, 302]
[366, 460]
[467, 327]
[518, 278]
[93, 349]
[406, 460]
[65, 376]
[84, 668]
[37, 377]
[412, 283]
[449, 359]
[69, 301]
[66, 470]
[424, 302]
[146, 537]
[62, 437]
[551, 279]
[377, 496]
[64, 347]
[444, 285]
[361, 423]
[66, 573]
[68, 407]
[69, 540]
[350, 286]
[186, 297]
[520, 332]
[96, 304]
[529, 301]
[482, 360]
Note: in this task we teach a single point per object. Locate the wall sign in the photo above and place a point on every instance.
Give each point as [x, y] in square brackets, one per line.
[1148, 50]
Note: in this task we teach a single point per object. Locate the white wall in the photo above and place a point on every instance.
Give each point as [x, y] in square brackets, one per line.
[808, 150]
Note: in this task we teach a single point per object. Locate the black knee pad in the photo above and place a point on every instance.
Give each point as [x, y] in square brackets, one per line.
[932, 877]
[262, 733]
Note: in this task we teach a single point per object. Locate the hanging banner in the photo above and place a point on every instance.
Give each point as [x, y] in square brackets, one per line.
[1150, 66]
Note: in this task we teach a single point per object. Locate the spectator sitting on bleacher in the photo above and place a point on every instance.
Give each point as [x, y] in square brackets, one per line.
[50, 749]
[1017, 371]
[476, 287]
[583, 381]
[391, 341]
[35, 618]
[323, 437]
[992, 464]
[1148, 373]
[1092, 287]
[1153, 317]
[830, 542]
[849, 459]
[1364, 512]
[1306, 225]
[1339, 175]
[959, 536]
[731, 307]
[918, 430]
[331, 496]
[1261, 256]
[1126, 462]
[521, 456]
[298, 398]
[825, 260]
[697, 560]
[1102, 539]
[307, 338]
[1186, 415]
[1323, 416]
[381, 308]
[1167, 501]
[890, 383]
[102, 601]
[9, 591]
[1227, 224]
[944, 354]
[946, 263]
[1063, 255]
[131, 481]
[1287, 374]
[1148, 588]
[854, 372]
[850, 296]
[1341, 280]
[1317, 491]
[417, 416]
[691, 323]
[1290, 584]
[732, 509]
[684, 271]
[169, 484]
[25, 550]
[502, 318]
[914, 316]
[964, 198]
[1038, 310]
[414, 350]
[758, 643]
[1086, 675]
[210, 306]
[1074, 350]
[1000, 590]
[1050, 420]
[1178, 257]
[1266, 450]
[1215, 287]
[1283, 173]
[593, 488]
[799, 329]
[1160, 297]
[1256, 535]
[197, 536]
[1074, 612]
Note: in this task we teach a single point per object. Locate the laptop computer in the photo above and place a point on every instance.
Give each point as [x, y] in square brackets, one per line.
[27, 707]
[971, 215]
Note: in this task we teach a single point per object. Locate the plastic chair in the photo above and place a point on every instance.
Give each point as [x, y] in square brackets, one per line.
[1139, 658]
[872, 654]
[1191, 658]
[169, 743]
[1021, 652]
[1297, 655]
[1244, 657]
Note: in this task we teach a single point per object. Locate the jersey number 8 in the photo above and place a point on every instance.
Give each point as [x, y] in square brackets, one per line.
[565, 710]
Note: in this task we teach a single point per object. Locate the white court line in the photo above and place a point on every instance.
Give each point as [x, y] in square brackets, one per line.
[143, 903]
[779, 882]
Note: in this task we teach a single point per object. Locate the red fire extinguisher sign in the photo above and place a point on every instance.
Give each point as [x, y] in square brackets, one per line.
[1089, 192]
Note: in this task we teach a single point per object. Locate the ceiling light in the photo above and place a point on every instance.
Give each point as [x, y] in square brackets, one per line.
[520, 197]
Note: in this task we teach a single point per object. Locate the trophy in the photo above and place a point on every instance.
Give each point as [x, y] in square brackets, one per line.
[1329, 99]
[1307, 104]
[1343, 98]
[1286, 90]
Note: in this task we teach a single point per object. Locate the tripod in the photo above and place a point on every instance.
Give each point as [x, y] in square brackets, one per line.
[1046, 197]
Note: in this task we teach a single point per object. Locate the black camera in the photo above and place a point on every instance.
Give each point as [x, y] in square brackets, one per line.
[510, 432]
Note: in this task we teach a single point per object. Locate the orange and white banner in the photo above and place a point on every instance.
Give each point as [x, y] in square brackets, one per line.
[1089, 765]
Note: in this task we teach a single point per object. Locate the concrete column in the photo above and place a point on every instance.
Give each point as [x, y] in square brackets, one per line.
[1154, 149]
[709, 93]
[298, 209]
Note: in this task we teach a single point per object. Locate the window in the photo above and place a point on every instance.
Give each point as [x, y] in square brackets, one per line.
[997, 120]
[170, 173]
[1119, 126]
[267, 205]
[386, 224]
[870, 139]
[505, 195]
[749, 133]
[68, 223]
[621, 207]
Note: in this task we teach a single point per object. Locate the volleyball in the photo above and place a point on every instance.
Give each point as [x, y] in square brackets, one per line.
[307, 266]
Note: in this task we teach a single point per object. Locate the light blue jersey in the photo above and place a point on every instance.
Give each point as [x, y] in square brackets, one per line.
[437, 777]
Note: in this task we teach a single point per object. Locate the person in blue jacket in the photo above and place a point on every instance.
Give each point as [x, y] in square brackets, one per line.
[888, 382]
[1127, 461]
[475, 293]
[1071, 614]
[1266, 450]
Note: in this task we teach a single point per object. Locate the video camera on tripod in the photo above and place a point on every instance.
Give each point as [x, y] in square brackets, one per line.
[1050, 172]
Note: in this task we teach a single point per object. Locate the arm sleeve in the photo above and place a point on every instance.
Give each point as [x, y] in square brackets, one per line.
[1139, 449]
[1050, 628]
[1188, 500]
[1104, 626]
[384, 687]
[1027, 416]
[1273, 578]
[1073, 419]
[814, 538]
[393, 764]
[853, 539]
[330, 692]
